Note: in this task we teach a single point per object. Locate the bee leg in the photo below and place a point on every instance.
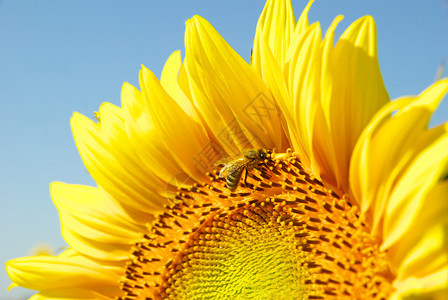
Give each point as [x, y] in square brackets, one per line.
[245, 177]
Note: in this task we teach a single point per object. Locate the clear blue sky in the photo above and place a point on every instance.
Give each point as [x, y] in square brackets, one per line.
[58, 57]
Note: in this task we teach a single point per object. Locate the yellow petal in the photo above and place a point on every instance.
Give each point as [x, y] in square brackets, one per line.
[412, 188]
[320, 138]
[113, 163]
[432, 286]
[424, 250]
[414, 159]
[69, 294]
[271, 72]
[428, 256]
[63, 272]
[363, 172]
[145, 139]
[272, 38]
[168, 79]
[301, 28]
[302, 75]
[226, 87]
[182, 134]
[302, 23]
[91, 230]
[352, 92]
[401, 138]
[276, 25]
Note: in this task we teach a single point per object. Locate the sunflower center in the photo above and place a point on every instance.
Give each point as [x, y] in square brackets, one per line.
[247, 254]
[280, 235]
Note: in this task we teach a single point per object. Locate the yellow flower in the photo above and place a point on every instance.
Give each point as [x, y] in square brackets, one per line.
[356, 210]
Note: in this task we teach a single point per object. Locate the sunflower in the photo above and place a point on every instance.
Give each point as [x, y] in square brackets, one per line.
[344, 196]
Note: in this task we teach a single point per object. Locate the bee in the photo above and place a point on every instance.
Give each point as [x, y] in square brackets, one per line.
[234, 166]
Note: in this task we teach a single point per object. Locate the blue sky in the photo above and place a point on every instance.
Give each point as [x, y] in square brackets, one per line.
[64, 56]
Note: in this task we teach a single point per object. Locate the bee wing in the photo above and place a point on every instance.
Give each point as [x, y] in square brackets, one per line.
[232, 167]
[223, 161]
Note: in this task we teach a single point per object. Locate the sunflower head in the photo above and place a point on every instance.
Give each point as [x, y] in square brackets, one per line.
[260, 242]
[293, 177]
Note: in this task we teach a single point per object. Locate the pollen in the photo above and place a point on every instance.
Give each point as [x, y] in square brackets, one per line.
[280, 235]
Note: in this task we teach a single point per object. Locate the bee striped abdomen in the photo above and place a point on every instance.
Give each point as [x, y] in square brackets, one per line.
[234, 166]
[233, 179]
